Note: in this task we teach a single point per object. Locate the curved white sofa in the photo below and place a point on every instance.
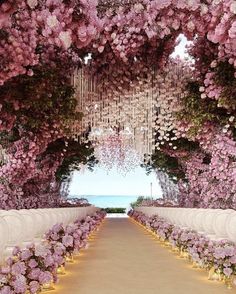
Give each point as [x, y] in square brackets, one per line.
[21, 227]
[215, 223]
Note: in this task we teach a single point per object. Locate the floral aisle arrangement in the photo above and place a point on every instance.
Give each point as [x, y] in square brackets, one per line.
[37, 266]
[148, 201]
[217, 257]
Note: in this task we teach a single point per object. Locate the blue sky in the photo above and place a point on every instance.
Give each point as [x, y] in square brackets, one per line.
[181, 48]
[137, 182]
[99, 182]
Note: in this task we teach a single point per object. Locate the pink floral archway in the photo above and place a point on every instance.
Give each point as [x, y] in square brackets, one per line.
[43, 42]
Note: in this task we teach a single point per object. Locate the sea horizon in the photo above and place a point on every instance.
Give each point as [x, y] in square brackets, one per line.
[105, 201]
[111, 195]
[104, 195]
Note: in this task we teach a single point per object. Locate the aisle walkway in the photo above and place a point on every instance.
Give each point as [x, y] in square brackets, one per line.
[124, 259]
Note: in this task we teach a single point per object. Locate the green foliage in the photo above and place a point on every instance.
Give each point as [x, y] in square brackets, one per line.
[3, 33]
[198, 111]
[76, 153]
[166, 163]
[225, 74]
[46, 97]
[6, 138]
[162, 161]
[139, 200]
[115, 210]
[225, 78]
[186, 145]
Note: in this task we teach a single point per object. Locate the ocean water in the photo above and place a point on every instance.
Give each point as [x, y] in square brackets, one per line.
[104, 201]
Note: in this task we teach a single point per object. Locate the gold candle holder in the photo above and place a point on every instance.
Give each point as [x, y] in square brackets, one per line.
[185, 255]
[76, 252]
[174, 249]
[181, 252]
[228, 282]
[213, 275]
[61, 270]
[166, 243]
[69, 258]
[220, 276]
[189, 258]
[47, 287]
[196, 265]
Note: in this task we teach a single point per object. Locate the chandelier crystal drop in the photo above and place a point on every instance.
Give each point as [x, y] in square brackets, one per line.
[116, 150]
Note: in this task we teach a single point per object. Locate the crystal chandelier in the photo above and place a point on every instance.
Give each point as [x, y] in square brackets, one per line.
[114, 149]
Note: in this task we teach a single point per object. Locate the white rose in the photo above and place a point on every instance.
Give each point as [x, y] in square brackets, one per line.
[233, 7]
[32, 3]
[216, 2]
[65, 38]
[52, 21]
[202, 89]
[191, 2]
[204, 9]
[138, 7]
[231, 119]
[191, 26]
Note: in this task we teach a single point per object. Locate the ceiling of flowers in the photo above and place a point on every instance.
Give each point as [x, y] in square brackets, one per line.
[87, 82]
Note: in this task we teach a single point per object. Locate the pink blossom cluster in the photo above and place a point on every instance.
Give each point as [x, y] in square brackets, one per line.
[210, 170]
[218, 254]
[74, 236]
[26, 174]
[212, 184]
[161, 202]
[30, 268]
[131, 37]
[39, 28]
[6, 10]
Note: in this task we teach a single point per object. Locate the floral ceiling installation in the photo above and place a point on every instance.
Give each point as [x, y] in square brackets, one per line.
[177, 116]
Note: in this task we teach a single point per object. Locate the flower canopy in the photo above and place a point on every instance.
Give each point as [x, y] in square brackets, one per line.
[71, 70]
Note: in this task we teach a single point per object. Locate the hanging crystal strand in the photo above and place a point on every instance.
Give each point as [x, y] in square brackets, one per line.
[138, 112]
[133, 117]
[78, 93]
[153, 111]
[81, 95]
